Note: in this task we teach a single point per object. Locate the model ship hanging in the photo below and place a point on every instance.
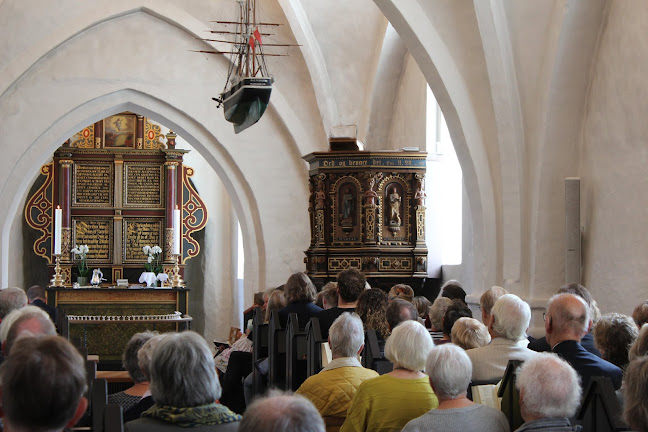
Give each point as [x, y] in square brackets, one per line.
[248, 86]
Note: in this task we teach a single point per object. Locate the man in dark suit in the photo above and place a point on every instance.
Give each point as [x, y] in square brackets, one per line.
[587, 342]
[36, 297]
[566, 322]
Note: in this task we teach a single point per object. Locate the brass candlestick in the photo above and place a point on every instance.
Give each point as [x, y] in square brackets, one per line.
[57, 280]
[176, 280]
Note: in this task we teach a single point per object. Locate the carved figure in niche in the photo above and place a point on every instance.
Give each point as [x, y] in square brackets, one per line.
[347, 203]
[320, 196]
[370, 194]
[420, 195]
[394, 204]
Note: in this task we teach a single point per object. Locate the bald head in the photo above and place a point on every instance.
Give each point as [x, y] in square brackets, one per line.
[282, 412]
[567, 318]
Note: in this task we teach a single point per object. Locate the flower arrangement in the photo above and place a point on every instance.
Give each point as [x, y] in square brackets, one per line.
[154, 261]
[80, 253]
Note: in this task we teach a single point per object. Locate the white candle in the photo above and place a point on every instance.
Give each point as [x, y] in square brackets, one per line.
[177, 230]
[58, 220]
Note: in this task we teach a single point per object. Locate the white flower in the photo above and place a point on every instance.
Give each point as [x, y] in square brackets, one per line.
[147, 250]
[84, 249]
[75, 250]
[150, 259]
[156, 249]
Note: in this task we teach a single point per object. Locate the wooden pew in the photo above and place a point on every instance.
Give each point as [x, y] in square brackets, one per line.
[276, 352]
[600, 410]
[296, 351]
[98, 404]
[314, 343]
[260, 338]
[372, 358]
[113, 418]
[510, 395]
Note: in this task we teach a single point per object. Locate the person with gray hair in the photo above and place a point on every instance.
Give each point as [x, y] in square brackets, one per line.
[27, 321]
[282, 412]
[450, 369]
[469, 333]
[11, 298]
[144, 355]
[487, 301]
[635, 388]
[130, 362]
[185, 388]
[43, 382]
[550, 393]
[333, 389]
[511, 316]
[391, 400]
[566, 321]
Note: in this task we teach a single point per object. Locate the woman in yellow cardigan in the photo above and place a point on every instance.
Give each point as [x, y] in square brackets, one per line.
[388, 402]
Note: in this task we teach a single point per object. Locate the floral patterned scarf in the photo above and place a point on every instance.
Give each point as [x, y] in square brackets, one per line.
[210, 414]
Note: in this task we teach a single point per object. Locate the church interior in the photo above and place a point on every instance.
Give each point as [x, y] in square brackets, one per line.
[532, 93]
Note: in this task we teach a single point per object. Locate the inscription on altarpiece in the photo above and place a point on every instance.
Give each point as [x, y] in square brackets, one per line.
[93, 185]
[143, 185]
[139, 233]
[97, 233]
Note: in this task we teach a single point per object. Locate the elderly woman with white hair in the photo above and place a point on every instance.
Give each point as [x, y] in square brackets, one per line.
[391, 400]
[450, 369]
[468, 333]
[185, 388]
[550, 393]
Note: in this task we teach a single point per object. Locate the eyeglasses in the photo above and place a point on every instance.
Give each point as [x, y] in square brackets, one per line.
[545, 315]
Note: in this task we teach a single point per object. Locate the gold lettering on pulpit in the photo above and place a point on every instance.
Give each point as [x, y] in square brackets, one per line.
[140, 233]
[143, 185]
[93, 185]
[97, 233]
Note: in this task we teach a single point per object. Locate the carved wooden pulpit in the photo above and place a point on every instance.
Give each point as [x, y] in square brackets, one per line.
[367, 211]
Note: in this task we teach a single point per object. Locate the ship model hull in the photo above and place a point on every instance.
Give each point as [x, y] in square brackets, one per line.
[246, 101]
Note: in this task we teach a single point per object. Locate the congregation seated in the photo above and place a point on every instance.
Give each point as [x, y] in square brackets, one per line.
[437, 312]
[422, 305]
[398, 311]
[185, 388]
[350, 284]
[36, 296]
[372, 310]
[401, 291]
[282, 412]
[393, 399]
[510, 319]
[640, 346]
[452, 289]
[260, 300]
[469, 333]
[587, 341]
[566, 322]
[450, 370]
[300, 294]
[640, 314]
[614, 334]
[144, 356]
[456, 310]
[487, 301]
[550, 394]
[27, 321]
[43, 383]
[333, 389]
[327, 297]
[130, 363]
[635, 388]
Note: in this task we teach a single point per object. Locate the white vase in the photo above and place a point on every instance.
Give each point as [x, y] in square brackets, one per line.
[149, 278]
